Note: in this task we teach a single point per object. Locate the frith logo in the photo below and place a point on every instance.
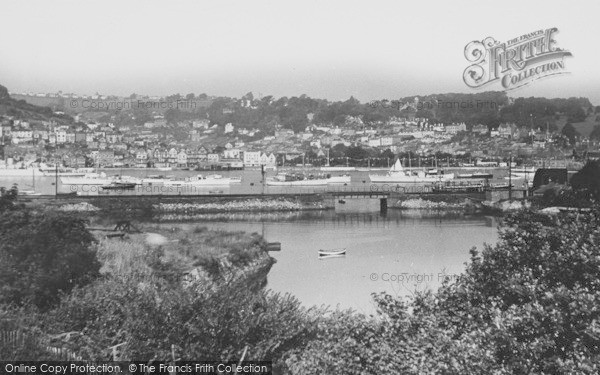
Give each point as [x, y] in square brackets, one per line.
[516, 62]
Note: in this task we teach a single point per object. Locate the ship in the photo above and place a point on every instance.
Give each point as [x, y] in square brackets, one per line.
[476, 175]
[522, 173]
[200, 180]
[51, 171]
[20, 172]
[289, 179]
[337, 169]
[397, 174]
[97, 179]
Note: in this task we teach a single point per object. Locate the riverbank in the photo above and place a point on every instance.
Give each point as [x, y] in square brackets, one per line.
[201, 257]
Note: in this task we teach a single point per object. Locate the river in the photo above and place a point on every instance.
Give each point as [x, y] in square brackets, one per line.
[399, 253]
[251, 183]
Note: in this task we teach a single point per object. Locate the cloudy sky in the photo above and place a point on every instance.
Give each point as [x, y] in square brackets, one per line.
[327, 49]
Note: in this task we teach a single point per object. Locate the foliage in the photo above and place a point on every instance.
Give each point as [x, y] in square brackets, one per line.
[150, 315]
[529, 304]
[42, 255]
[588, 180]
[8, 198]
[570, 132]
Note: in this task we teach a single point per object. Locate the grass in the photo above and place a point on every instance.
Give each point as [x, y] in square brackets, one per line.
[183, 251]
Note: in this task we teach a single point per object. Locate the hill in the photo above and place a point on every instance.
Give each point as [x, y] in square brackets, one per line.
[20, 109]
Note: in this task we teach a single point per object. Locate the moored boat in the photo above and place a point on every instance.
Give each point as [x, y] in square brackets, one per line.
[20, 172]
[200, 180]
[120, 186]
[332, 252]
[397, 174]
[290, 179]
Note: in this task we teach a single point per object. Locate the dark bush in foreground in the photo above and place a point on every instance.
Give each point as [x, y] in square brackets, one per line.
[42, 255]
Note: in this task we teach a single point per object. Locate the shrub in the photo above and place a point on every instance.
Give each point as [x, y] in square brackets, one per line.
[42, 255]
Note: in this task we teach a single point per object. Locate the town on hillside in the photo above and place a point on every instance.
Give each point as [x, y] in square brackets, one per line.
[202, 132]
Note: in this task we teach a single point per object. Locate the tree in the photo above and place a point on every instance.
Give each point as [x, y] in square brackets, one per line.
[570, 132]
[588, 179]
[8, 198]
[595, 134]
[42, 255]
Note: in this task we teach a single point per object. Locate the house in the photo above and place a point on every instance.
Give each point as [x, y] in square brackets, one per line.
[268, 160]
[507, 130]
[480, 129]
[182, 159]
[141, 156]
[61, 136]
[105, 158]
[232, 153]
[252, 158]
[387, 141]
[456, 128]
[374, 142]
[213, 158]
[228, 128]
[202, 153]
[201, 124]
[172, 156]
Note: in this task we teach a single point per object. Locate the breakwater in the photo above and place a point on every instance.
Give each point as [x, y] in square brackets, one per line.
[149, 206]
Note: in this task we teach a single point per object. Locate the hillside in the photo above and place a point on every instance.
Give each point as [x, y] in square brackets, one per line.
[20, 109]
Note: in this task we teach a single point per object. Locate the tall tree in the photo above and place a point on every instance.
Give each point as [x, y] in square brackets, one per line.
[570, 132]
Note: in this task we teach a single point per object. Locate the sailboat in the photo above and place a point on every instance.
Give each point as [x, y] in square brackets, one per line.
[397, 174]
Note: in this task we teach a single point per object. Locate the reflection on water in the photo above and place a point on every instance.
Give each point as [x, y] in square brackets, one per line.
[397, 253]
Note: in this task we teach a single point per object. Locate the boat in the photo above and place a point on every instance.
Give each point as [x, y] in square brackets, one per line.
[397, 174]
[50, 171]
[476, 175]
[155, 180]
[117, 185]
[291, 179]
[332, 252]
[28, 192]
[338, 169]
[20, 172]
[462, 186]
[98, 179]
[522, 173]
[200, 180]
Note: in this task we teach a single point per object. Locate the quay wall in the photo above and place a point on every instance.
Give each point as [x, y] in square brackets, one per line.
[150, 205]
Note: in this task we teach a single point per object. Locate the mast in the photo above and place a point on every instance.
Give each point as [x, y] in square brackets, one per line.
[510, 178]
[56, 180]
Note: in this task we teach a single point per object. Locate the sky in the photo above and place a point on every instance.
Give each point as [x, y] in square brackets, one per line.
[374, 49]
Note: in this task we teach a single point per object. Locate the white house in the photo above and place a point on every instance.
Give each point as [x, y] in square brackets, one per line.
[268, 160]
[252, 158]
[232, 153]
[61, 136]
[182, 158]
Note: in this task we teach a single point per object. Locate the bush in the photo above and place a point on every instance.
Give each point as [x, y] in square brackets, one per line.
[43, 255]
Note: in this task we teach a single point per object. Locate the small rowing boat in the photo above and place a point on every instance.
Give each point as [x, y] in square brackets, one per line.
[332, 252]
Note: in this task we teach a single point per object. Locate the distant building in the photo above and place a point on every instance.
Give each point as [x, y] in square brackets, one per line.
[252, 158]
[480, 129]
